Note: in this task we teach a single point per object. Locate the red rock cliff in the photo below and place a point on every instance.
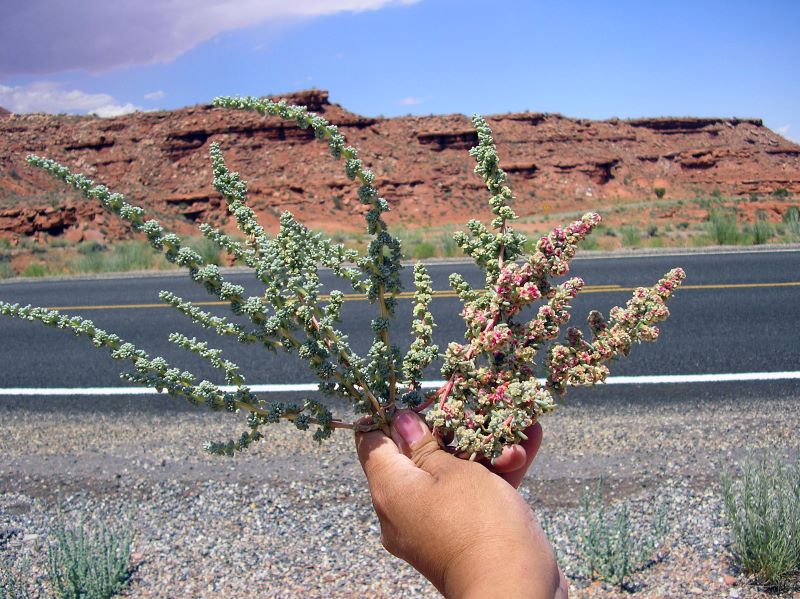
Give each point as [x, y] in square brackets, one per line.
[160, 160]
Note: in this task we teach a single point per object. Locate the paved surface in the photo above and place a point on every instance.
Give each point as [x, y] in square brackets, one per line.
[737, 314]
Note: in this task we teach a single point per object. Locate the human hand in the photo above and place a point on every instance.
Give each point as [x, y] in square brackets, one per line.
[463, 527]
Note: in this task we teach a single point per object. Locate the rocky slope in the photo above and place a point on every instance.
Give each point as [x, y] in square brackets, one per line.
[160, 160]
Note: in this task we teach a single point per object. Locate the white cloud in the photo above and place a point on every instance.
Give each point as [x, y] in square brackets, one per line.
[47, 36]
[156, 95]
[45, 96]
[785, 132]
[409, 101]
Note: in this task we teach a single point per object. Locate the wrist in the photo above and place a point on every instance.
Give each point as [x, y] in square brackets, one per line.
[524, 572]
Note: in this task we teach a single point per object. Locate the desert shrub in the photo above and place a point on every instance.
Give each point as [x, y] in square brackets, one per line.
[449, 247]
[409, 240]
[131, 255]
[90, 563]
[208, 250]
[791, 219]
[16, 582]
[610, 232]
[631, 236]
[422, 250]
[723, 227]
[36, 269]
[660, 192]
[782, 193]
[34, 246]
[95, 262]
[90, 247]
[529, 245]
[763, 510]
[762, 232]
[606, 543]
[590, 243]
[120, 257]
[6, 270]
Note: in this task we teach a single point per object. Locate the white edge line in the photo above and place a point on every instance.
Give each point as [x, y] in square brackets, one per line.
[306, 387]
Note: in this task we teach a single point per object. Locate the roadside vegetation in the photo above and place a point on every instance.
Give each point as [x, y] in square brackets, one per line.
[604, 543]
[81, 559]
[660, 223]
[762, 504]
[88, 257]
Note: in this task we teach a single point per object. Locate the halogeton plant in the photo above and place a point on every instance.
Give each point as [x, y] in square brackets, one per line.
[491, 392]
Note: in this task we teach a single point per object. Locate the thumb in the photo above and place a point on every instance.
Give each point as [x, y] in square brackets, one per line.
[414, 438]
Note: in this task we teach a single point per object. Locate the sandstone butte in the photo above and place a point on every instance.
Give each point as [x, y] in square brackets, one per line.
[554, 163]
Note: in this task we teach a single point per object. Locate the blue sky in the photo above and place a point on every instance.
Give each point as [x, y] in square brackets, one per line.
[581, 58]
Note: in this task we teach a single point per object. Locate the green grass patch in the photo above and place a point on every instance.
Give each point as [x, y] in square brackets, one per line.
[16, 583]
[631, 236]
[723, 227]
[590, 242]
[208, 250]
[422, 250]
[761, 232]
[605, 545]
[6, 271]
[36, 269]
[92, 562]
[763, 510]
[120, 257]
[791, 220]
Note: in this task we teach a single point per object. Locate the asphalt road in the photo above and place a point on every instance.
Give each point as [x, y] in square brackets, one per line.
[738, 312]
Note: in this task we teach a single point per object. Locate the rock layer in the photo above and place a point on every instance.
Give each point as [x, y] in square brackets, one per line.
[160, 160]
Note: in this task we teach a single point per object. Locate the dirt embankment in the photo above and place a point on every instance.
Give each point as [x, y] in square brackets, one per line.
[160, 160]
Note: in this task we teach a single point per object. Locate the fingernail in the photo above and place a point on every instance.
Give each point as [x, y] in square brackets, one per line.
[410, 427]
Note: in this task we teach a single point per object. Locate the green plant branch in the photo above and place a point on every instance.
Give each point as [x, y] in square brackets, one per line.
[383, 270]
[491, 394]
[156, 372]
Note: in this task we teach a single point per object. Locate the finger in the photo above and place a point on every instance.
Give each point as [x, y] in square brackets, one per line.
[377, 454]
[531, 447]
[512, 458]
[518, 456]
[416, 441]
[532, 443]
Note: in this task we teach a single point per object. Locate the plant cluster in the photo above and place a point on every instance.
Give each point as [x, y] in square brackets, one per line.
[93, 563]
[723, 226]
[791, 218]
[763, 510]
[606, 543]
[496, 383]
[83, 560]
[15, 581]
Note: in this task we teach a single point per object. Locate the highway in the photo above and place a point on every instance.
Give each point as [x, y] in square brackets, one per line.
[737, 313]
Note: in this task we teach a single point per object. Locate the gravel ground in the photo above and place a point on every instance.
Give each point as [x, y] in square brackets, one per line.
[293, 518]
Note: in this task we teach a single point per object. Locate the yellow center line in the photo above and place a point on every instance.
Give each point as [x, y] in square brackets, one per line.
[352, 297]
